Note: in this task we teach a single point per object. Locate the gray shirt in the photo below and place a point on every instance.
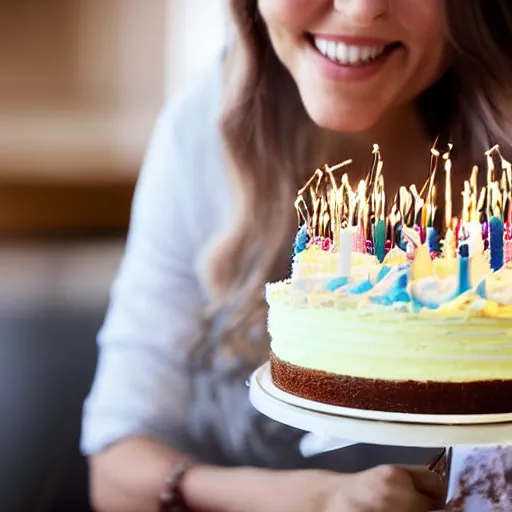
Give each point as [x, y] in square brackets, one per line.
[152, 377]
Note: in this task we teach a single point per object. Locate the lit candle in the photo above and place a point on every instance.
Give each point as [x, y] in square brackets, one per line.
[448, 188]
[450, 242]
[345, 251]
[473, 184]
[507, 251]
[431, 233]
[496, 242]
[476, 241]
[379, 231]
[379, 240]
[464, 277]
[507, 244]
[496, 236]
[433, 240]
[490, 179]
[359, 243]
[494, 204]
[449, 246]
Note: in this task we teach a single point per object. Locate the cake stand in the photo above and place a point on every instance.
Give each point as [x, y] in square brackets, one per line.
[373, 427]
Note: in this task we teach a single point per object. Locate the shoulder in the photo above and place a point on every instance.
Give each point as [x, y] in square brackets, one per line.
[192, 115]
[186, 150]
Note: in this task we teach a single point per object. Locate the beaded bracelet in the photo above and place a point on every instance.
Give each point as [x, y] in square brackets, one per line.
[171, 500]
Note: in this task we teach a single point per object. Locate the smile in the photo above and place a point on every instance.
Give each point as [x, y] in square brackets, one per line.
[352, 55]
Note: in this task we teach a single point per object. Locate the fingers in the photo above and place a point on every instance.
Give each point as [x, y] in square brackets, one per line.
[430, 485]
[422, 503]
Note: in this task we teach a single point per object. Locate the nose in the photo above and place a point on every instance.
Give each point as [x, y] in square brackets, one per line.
[362, 12]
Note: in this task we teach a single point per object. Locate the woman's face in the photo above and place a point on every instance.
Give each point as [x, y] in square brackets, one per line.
[356, 61]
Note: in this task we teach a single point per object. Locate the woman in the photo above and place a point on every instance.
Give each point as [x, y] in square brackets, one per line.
[304, 82]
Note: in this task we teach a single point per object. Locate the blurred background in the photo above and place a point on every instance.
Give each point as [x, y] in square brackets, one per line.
[81, 83]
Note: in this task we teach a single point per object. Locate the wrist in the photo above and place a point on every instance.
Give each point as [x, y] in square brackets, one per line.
[172, 498]
[322, 485]
[213, 489]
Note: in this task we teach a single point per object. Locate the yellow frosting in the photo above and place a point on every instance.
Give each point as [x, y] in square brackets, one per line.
[314, 262]
[387, 344]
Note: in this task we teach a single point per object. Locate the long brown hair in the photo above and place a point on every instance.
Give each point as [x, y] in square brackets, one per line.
[272, 144]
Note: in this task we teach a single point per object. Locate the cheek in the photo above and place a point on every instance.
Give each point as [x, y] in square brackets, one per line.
[425, 36]
[423, 23]
[419, 16]
[293, 16]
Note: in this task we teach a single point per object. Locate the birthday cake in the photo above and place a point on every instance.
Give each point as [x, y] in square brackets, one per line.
[393, 307]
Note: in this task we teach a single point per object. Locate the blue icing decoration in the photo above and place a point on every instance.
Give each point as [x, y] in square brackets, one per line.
[401, 296]
[384, 271]
[419, 305]
[464, 284]
[361, 288]
[301, 240]
[392, 297]
[397, 293]
[337, 283]
[401, 282]
[381, 301]
[481, 290]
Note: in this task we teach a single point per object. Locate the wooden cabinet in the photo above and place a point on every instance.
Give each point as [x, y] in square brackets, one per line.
[81, 82]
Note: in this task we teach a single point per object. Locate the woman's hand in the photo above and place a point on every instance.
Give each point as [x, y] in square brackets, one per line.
[387, 489]
[383, 489]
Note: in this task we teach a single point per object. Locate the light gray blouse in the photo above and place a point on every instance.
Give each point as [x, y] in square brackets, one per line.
[151, 378]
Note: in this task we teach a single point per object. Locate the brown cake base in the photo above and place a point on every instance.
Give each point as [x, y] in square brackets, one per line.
[483, 397]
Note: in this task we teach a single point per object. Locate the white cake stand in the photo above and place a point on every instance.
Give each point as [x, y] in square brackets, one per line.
[372, 427]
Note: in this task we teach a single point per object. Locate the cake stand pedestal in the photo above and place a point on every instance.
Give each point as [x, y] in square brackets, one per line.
[373, 427]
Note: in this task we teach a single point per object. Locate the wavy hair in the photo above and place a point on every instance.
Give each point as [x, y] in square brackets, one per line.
[272, 145]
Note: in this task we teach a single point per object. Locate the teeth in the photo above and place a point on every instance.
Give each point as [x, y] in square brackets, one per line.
[342, 53]
[366, 53]
[347, 54]
[331, 50]
[322, 46]
[374, 52]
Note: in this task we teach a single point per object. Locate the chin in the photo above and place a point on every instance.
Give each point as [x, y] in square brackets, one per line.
[353, 117]
[343, 120]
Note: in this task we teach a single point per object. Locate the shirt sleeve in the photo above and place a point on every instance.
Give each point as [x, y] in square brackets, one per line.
[141, 385]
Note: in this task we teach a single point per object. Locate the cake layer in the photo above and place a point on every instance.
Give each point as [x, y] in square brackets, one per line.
[392, 345]
[428, 397]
